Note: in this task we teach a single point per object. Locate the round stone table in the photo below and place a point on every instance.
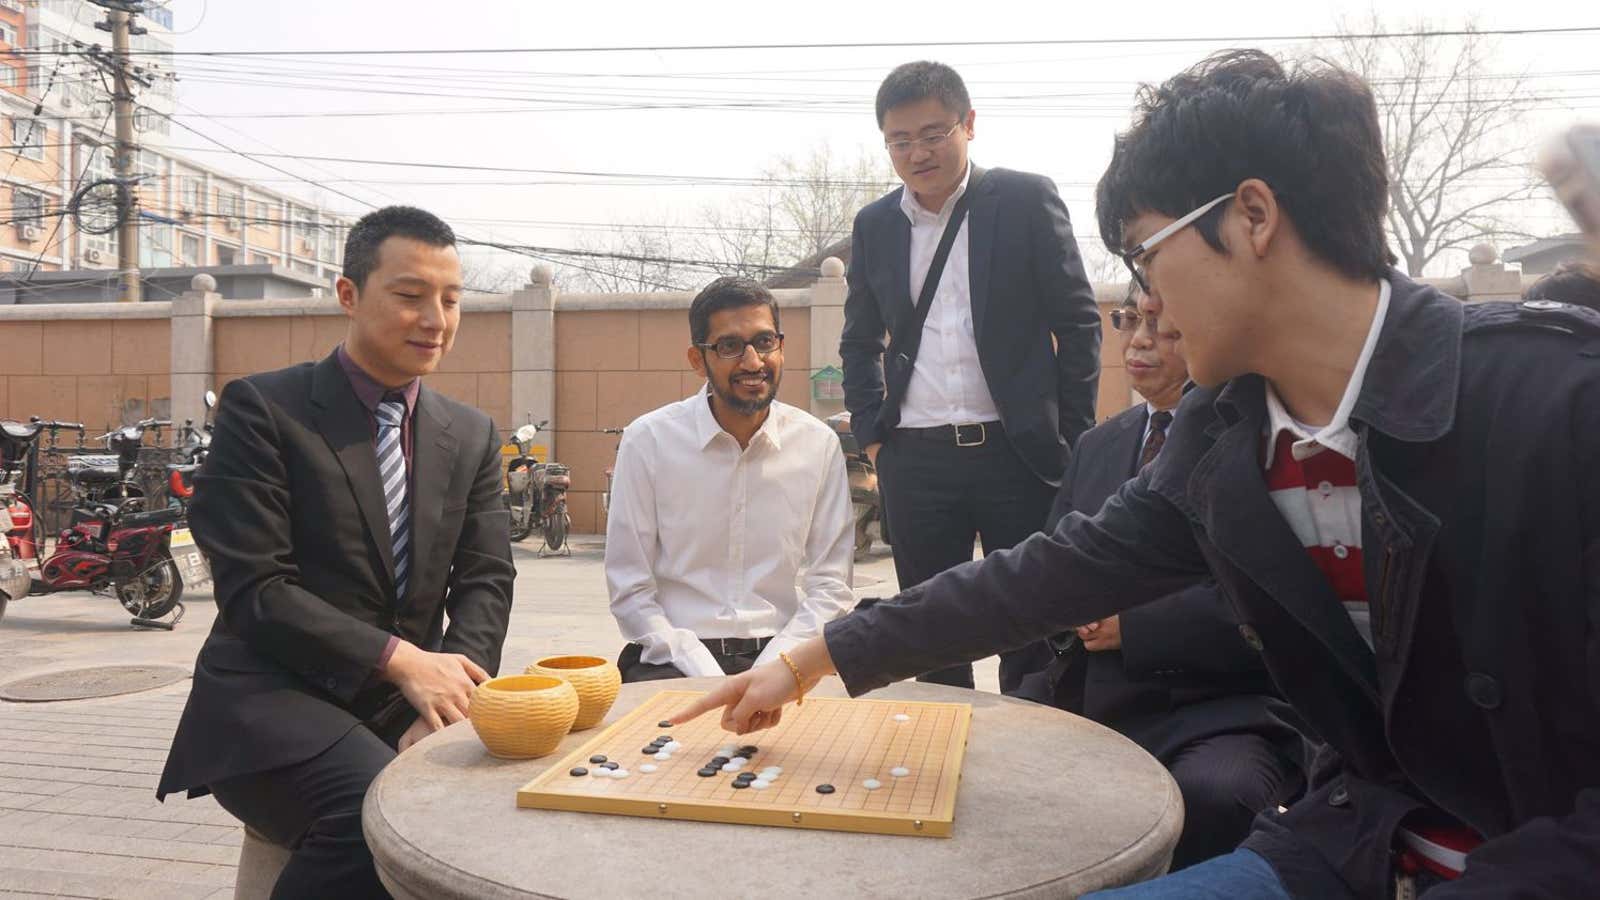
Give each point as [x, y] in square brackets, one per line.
[1050, 805]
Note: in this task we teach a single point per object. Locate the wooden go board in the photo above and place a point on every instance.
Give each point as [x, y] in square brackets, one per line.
[827, 741]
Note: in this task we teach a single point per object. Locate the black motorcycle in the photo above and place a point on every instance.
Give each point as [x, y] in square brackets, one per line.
[536, 493]
[865, 501]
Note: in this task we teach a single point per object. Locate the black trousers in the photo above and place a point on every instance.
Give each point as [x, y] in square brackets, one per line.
[314, 808]
[633, 669]
[1225, 780]
[938, 497]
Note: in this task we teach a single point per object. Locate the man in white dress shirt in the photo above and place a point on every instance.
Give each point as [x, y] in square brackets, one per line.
[730, 537]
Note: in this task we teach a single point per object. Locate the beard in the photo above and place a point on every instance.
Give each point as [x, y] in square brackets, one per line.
[727, 397]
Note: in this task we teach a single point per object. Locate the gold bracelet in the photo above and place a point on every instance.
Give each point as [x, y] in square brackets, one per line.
[799, 683]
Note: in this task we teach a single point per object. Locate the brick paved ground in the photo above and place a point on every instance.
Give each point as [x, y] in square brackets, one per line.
[78, 814]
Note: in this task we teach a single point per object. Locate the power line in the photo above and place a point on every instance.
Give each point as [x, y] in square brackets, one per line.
[868, 45]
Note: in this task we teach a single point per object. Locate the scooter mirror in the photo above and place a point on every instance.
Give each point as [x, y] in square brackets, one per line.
[211, 399]
[526, 433]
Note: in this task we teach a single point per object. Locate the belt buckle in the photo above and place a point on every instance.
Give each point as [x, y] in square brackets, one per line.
[983, 435]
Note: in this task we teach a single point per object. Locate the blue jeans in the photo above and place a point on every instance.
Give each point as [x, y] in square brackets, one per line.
[1241, 875]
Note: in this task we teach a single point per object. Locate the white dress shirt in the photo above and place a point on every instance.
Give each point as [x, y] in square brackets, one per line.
[706, 540]
[947, 386]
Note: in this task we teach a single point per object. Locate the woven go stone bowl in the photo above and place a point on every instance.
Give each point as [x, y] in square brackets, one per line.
[523, 716]
[596, 680]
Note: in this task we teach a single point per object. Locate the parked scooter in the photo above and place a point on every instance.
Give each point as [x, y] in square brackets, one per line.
[111, 546]
[193, 446]
[865, 501]
[16, 440]
[109, 477]
[536, 493]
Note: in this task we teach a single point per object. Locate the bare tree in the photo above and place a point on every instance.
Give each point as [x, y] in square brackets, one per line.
[630, 260]
[1458, 172]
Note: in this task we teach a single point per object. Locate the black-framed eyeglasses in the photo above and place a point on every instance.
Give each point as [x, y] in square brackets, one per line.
[1131, 258]
[733, 347]
[931, 142]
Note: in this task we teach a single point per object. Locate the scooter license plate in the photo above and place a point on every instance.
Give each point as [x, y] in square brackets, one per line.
[192, 566]
[182, 537]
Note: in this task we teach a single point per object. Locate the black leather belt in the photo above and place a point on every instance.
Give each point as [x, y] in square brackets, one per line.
[736, 646]
[974, 434]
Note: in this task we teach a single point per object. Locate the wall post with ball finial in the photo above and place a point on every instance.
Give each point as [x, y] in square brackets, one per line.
[192, 349]
[533, 357]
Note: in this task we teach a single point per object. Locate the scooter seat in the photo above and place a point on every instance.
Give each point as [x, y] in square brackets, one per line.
[92, 470]
[20, 430]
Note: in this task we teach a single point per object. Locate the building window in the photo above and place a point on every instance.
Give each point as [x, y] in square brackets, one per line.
[260, 213]
[27, 208]
[27, 134]
[8, 34]
[261, 260]
[194, 194]
[225, 255]
[191, 250]
[8, 76]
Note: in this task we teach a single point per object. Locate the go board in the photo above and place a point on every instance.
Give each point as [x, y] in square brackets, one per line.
[912, 750]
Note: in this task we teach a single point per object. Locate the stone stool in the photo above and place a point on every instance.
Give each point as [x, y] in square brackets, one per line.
[260, 861]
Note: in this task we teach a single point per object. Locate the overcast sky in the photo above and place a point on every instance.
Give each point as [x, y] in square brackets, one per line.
[1051, 109]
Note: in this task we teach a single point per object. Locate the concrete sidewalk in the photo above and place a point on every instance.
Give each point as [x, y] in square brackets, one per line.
[78, 814]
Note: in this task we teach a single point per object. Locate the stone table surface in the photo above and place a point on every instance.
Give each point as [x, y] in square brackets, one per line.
[1050, 805]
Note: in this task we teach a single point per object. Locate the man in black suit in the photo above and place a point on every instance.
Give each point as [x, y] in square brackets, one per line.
[1173, 675]
[345, 509]
[990, 372]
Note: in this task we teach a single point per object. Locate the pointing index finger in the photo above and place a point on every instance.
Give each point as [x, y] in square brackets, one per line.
[712, 699]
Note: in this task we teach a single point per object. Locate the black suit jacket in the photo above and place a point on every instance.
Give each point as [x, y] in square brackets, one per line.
[1183, 673]
[1033, 312]
[291, 513]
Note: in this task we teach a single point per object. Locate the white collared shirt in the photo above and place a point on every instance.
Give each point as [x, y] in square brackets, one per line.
[706, 540]
[947, 386]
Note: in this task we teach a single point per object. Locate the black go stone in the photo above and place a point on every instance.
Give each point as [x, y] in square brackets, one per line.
[749, 750]
[611, 765]
[824, 788]
[651, 750]
[597, 759]
[663, 738]
[664, 723]
[718, 761]
[741, 784]
[578, 772]
[706, 773]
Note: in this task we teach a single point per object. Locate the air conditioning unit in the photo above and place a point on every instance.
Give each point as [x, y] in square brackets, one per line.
[30, 232]
[94, 255]
[230, 224]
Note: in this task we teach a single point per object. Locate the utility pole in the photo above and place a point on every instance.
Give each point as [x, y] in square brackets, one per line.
[127, 201]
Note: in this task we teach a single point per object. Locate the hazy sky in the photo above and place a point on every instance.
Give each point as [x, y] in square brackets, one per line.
[1050, 109]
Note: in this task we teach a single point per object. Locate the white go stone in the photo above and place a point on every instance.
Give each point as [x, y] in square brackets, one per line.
[770, 772]
[901, 717]
[872, 784]
[760, 784]
[728, 751]
[663, 755]
[730, 767]
[619, 773]
[899, 771]
[671, 746]
[647, 768]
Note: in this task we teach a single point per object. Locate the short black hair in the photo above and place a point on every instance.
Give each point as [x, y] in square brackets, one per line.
[727, 292]
[913, 81]
[372, 229]
[1575, 281]
[1310, 132]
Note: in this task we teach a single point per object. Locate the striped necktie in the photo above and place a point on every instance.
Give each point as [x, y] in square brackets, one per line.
[392, 474]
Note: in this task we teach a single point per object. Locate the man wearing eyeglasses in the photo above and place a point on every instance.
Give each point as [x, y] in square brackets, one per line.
[1396, 491]
[990, 370]
[1173, 675]
[721, 501]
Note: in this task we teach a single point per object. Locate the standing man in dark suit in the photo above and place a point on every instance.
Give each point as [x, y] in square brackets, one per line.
[987, 380]
[1173, 675]
[345, 509]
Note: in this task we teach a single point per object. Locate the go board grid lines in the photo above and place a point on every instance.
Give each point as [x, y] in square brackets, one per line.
[828, 741]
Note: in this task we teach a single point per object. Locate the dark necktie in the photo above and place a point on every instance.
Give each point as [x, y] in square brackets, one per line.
[1158, 436]
[392, 473]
